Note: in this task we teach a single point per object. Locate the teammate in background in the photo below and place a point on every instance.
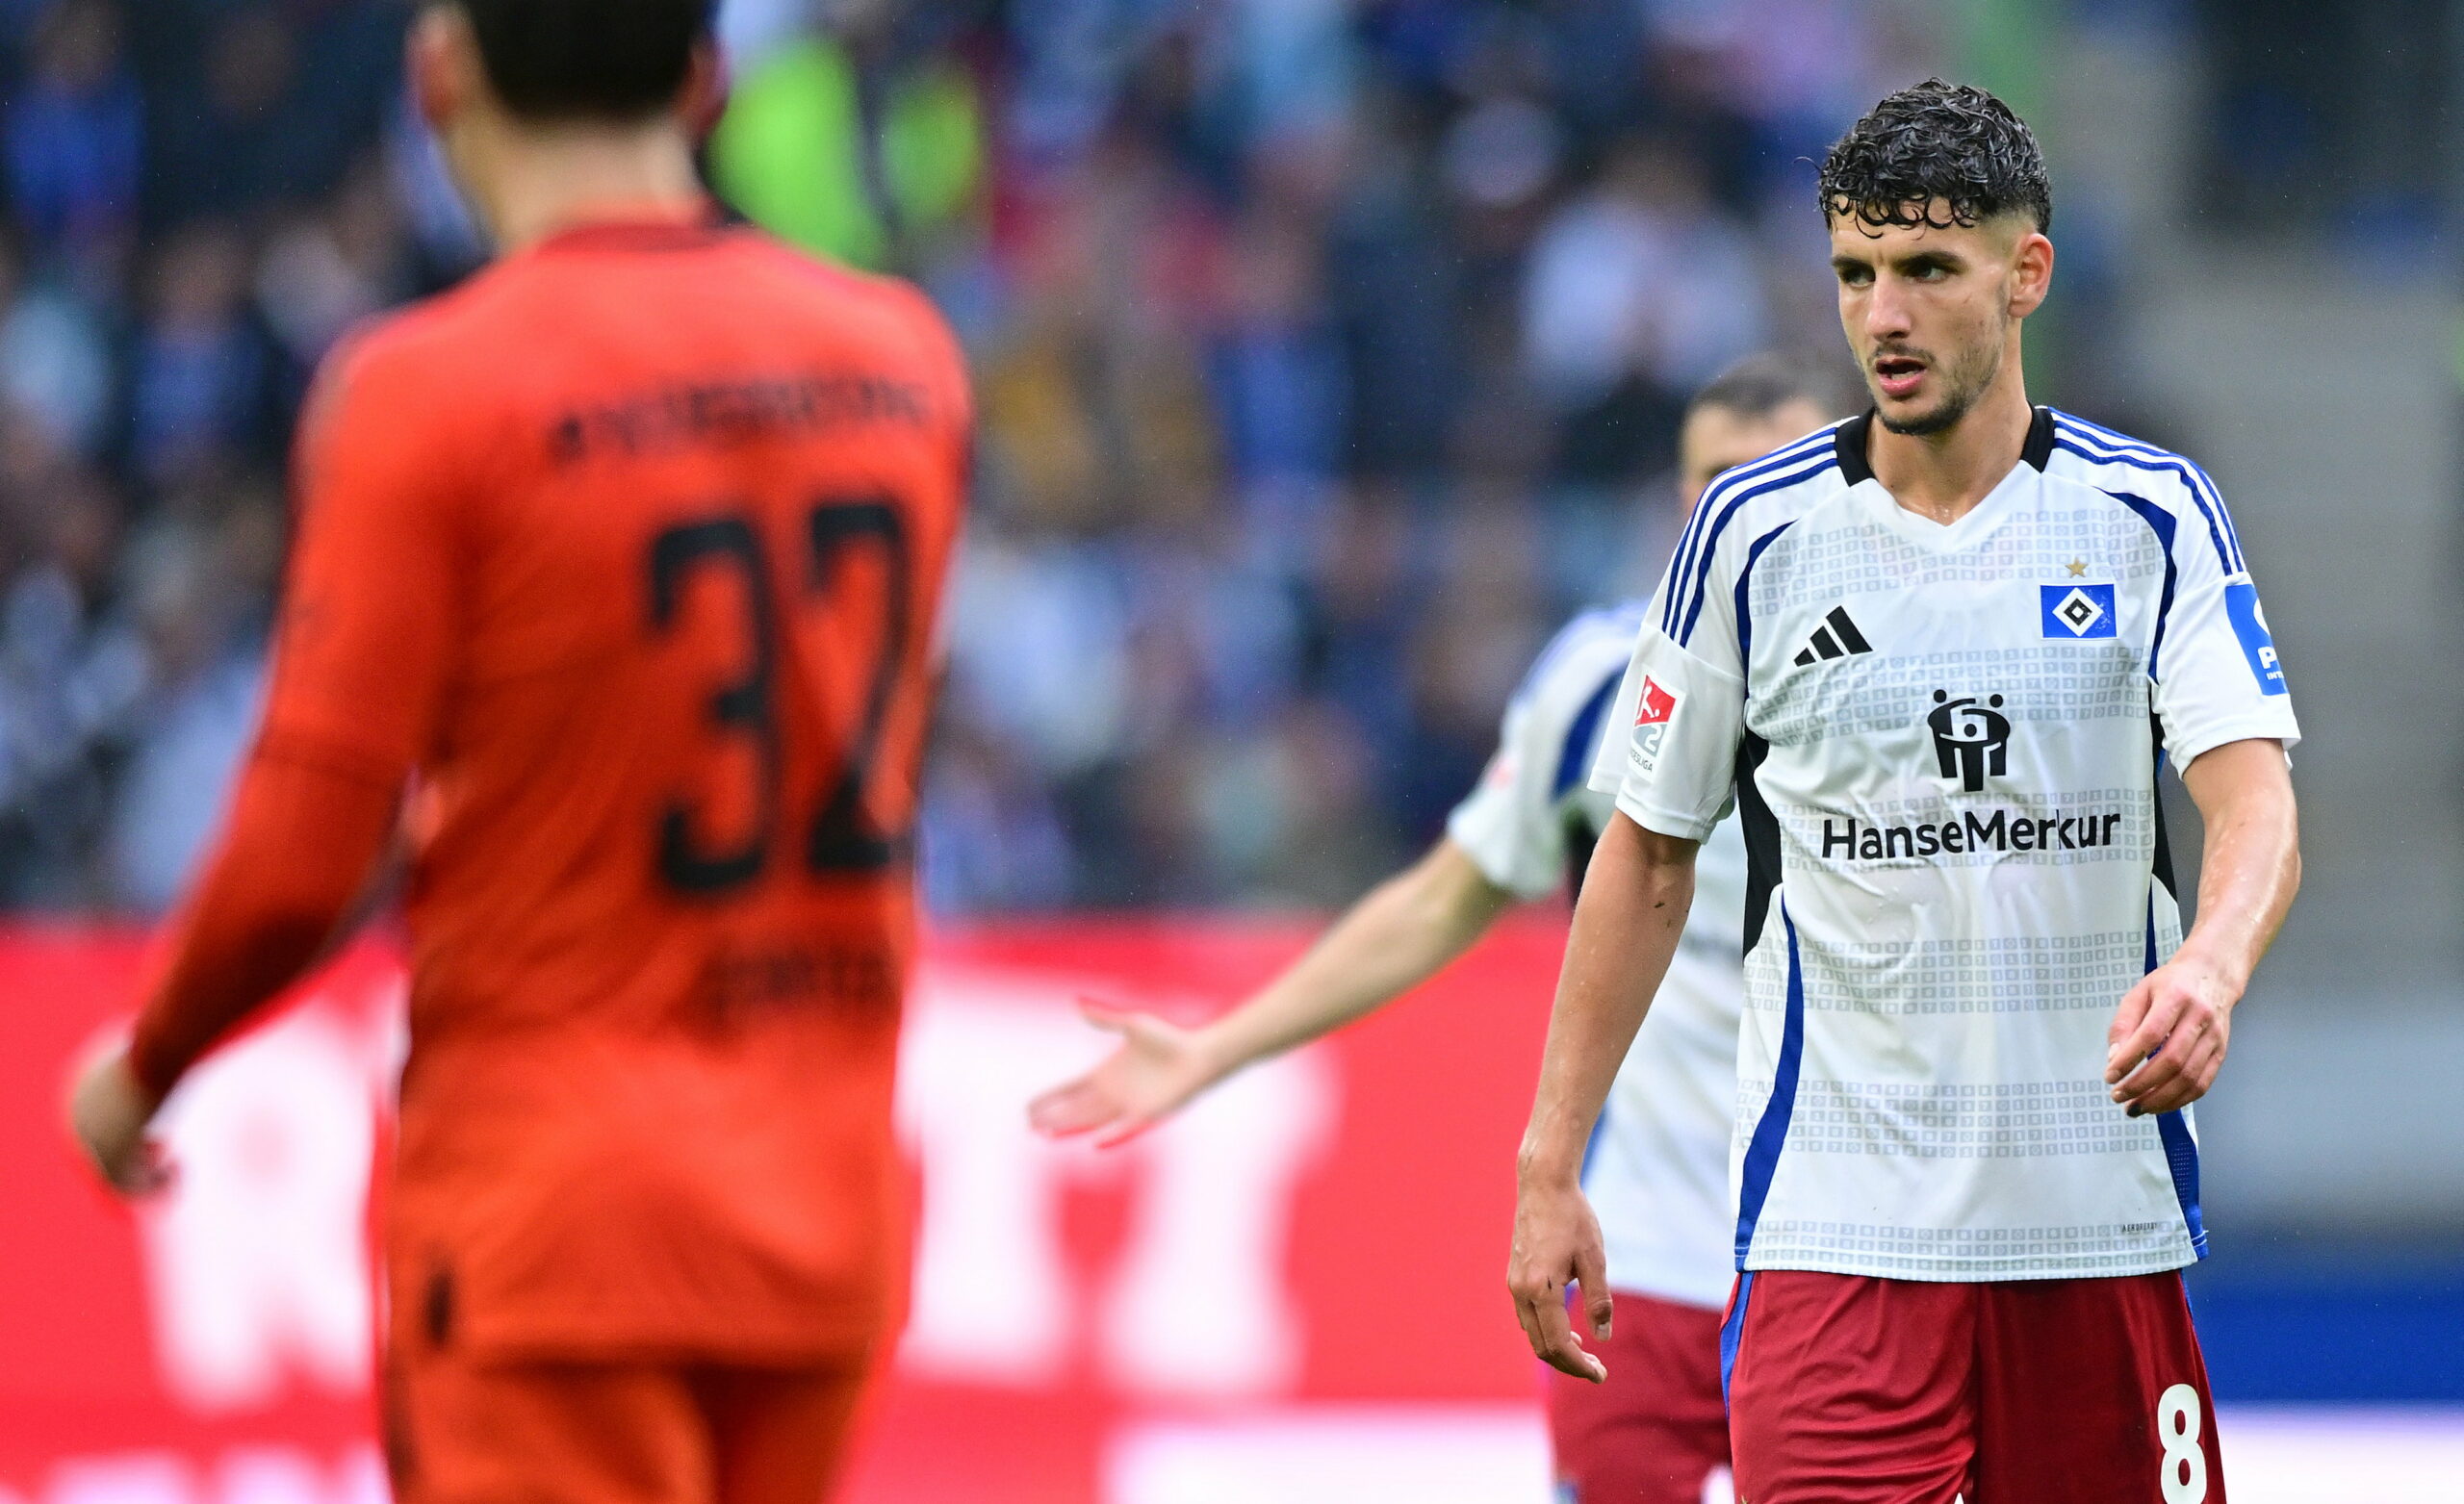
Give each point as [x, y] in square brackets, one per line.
[624, 559]
[1967, 1180]
[1659, 1169]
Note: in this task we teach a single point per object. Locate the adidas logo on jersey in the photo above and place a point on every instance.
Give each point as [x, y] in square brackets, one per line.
[1838, 638]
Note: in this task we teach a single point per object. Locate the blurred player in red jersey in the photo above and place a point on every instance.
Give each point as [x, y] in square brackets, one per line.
[614, 589]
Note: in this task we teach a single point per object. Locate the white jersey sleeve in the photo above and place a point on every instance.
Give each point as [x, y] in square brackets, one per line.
[1514, 826]
[1672, 755]
[2213, 664]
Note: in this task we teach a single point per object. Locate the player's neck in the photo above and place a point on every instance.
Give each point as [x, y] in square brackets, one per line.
[534, 182]
[1943, 476]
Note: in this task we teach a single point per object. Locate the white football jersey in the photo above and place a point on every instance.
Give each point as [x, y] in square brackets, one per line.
[1942, 743]
[1658, 1168]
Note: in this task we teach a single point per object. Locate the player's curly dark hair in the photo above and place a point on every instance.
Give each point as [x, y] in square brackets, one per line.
[1939, 153]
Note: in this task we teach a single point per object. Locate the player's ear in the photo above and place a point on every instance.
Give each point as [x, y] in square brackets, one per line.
[705, 91]
[440, 56]
[2032, 273]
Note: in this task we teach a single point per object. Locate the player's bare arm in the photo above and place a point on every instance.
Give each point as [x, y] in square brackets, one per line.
[1626, 929]
[2175, 1024]
[1396, 938]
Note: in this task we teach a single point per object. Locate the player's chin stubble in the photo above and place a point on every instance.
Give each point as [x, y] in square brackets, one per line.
[1967, 385]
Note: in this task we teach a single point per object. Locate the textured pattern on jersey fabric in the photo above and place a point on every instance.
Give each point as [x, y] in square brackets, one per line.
[1961, 865]
[2024, 1120]
[2018, 973]
[1879, 693]
[1856, 556]
[1983, 1255]
[1658, 1169]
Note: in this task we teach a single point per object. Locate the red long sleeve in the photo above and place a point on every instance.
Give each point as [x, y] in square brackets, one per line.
[302, 840]
[361, 661]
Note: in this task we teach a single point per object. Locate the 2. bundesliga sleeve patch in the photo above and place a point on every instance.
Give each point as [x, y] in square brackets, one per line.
[2077, 610]
[1651, 717]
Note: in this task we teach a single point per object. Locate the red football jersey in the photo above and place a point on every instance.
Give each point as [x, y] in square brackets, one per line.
[628, 555]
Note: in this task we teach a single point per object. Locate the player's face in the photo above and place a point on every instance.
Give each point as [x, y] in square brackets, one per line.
[1931, 312]
[441, 55]
[1717, 439]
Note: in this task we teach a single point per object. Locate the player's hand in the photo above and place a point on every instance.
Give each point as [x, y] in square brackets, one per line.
[1557, 1241]
[1158, 1067]
[109, 1113]
[2168, 1036]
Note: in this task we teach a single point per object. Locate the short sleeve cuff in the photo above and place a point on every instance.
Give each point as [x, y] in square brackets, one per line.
[2186, 745]
[1665, 822]
[1491, 853]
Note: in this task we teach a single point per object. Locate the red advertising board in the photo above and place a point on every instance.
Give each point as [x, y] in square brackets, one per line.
[1294, 1291]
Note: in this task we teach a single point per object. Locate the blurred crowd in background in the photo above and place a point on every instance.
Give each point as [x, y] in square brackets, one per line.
[1329, 352]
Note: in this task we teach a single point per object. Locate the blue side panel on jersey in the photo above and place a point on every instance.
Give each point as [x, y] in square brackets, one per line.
[2181, 1157]
[1699, 586]
[1574, 757]
[2181, 1150]
[1732, 1332]
[2161, 521]
[2202, 485]
[2250, 625]
[1744, 617]
[1771, 1130]
[1714, 493]
[2177, 468]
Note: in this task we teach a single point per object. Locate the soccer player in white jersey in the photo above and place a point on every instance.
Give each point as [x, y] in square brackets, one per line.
[1935, 657]
[1658, 1168]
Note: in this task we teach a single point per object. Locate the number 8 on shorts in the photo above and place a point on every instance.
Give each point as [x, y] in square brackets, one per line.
[2177, 1423]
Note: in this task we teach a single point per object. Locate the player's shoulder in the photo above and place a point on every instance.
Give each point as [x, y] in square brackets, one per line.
[423, 332]
[2161, 484]
[863, 304]
[1784, 484]
[1596, 642]
[1789, 474]
[1745, 507]
[402, 367]
[2077, 447]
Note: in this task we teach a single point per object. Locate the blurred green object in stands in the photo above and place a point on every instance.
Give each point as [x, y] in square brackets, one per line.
[794, 154]
[2002, 46]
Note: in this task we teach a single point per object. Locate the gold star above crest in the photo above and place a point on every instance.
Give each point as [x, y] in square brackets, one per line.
[2077, 567]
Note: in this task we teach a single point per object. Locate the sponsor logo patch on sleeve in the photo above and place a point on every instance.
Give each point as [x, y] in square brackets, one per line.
[1658, 708]
[2258, 644]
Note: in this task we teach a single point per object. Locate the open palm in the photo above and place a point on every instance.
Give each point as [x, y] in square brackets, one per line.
[1158, 1067]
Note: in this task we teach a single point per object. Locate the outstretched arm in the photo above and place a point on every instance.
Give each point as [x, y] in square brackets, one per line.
[1399, 934]
[2169, 1036]
[1633, 910]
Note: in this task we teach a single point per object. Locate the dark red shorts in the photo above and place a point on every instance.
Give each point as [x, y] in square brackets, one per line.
[1655, 1430]
[466, 1431]
[1845, 1390]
